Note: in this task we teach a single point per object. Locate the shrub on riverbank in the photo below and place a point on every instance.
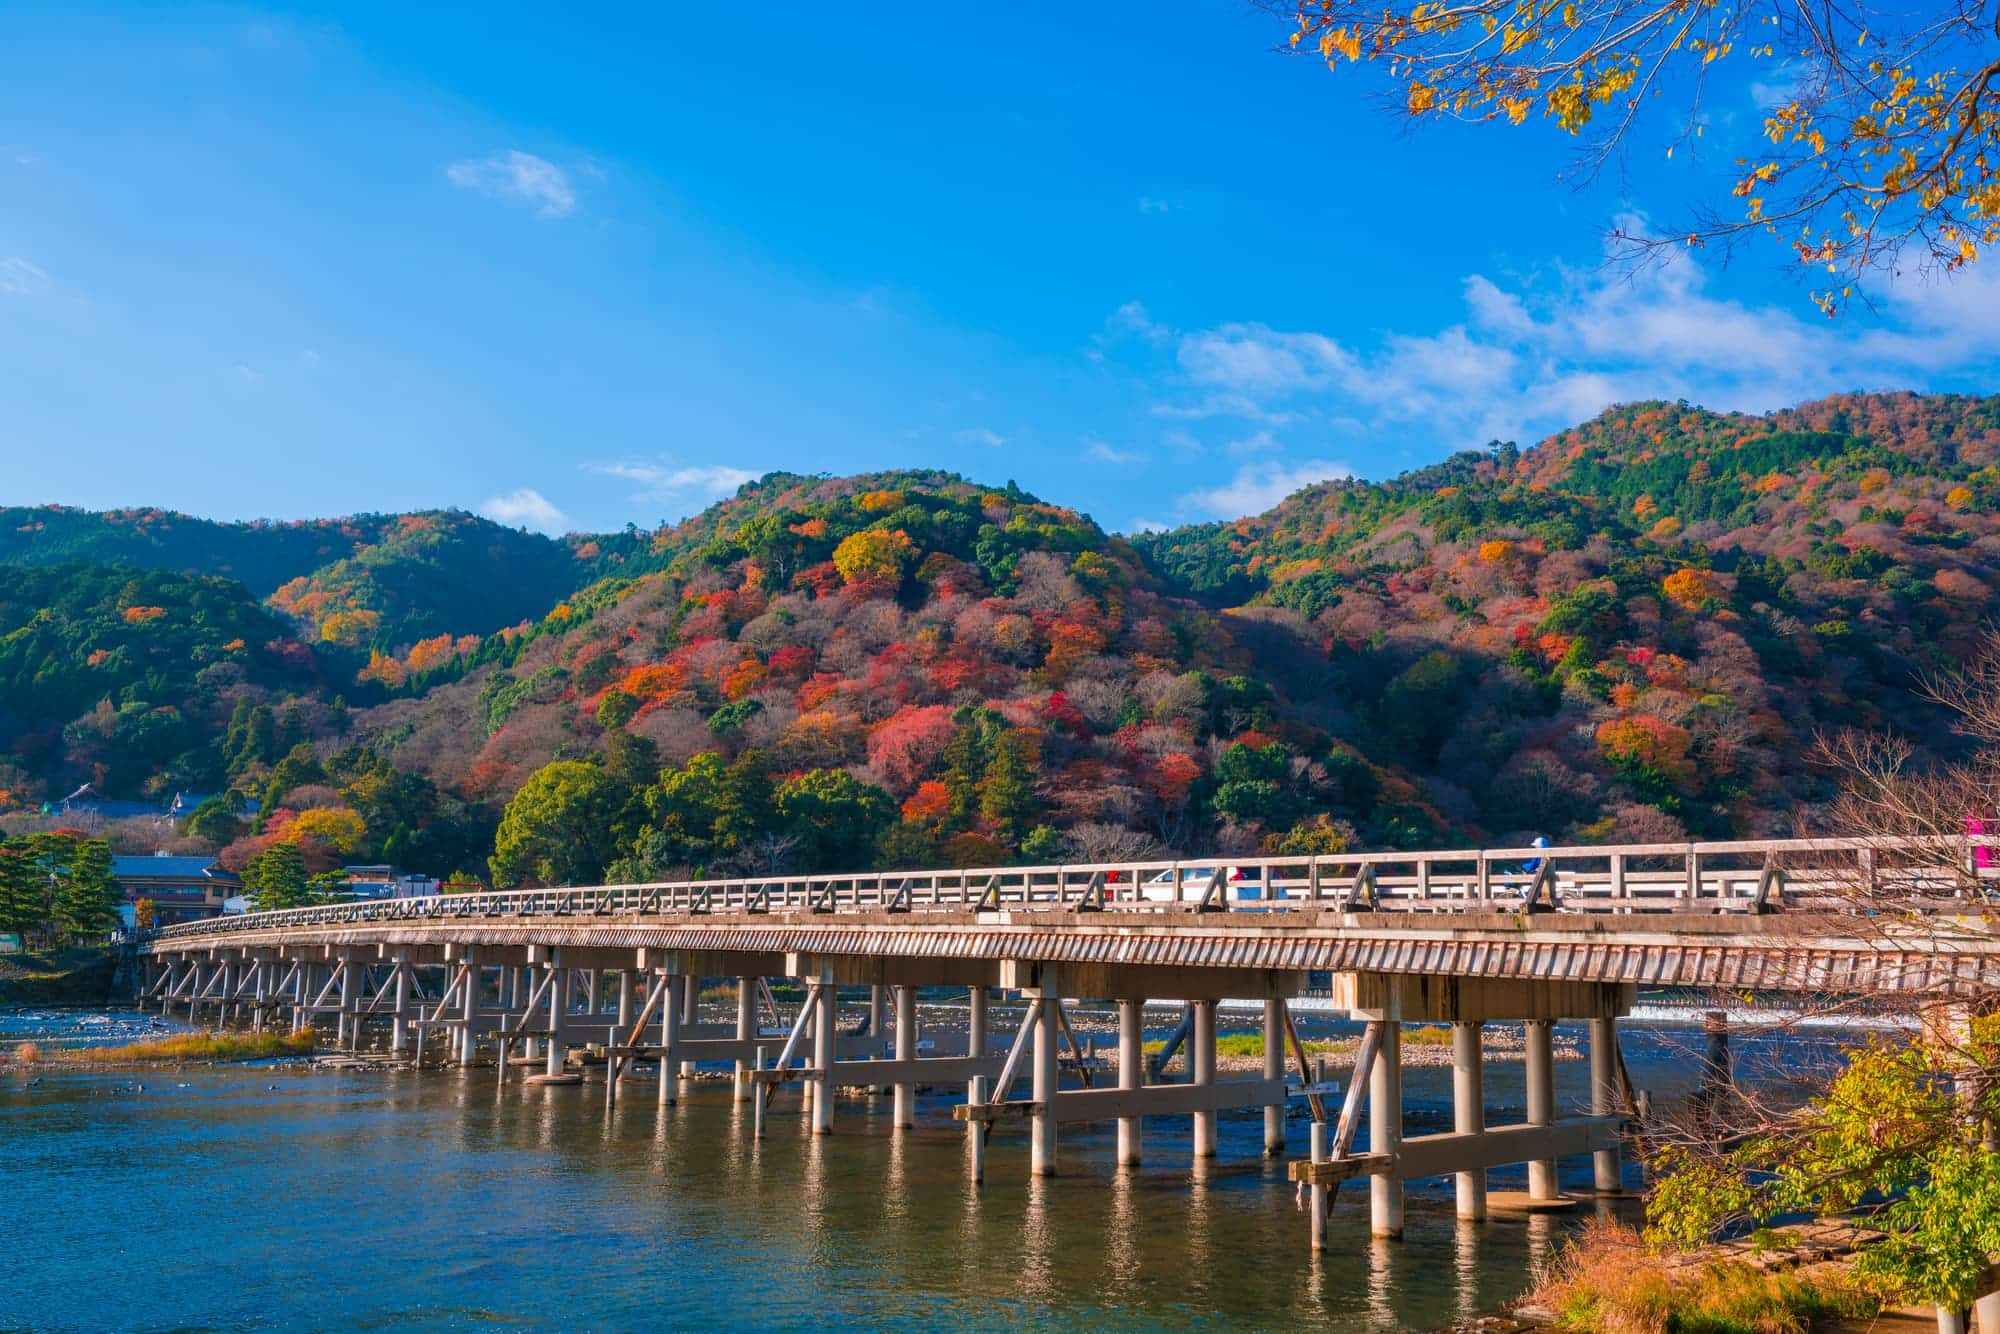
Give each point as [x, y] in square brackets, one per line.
[218, 1047]
[1607, 1281]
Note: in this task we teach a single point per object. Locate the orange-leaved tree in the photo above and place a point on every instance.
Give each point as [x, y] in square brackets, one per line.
[1880, 140]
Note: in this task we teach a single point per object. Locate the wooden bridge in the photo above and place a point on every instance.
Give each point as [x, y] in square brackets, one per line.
[1468, 937]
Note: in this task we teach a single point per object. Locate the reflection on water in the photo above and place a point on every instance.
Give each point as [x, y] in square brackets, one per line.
[315, 1199]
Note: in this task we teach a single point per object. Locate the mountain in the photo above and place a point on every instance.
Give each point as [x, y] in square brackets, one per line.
[1633, 630]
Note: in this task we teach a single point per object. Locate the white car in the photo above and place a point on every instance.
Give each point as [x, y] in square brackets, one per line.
[1244, 885]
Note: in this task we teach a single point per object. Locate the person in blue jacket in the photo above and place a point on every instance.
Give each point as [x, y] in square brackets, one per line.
[1533, 866]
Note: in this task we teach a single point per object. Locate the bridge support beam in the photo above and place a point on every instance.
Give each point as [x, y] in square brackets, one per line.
[1539, 1065]
[468, 1036]
[690, 1010]
[1468, 1110]
[1274, 1068]
[746, 1031]
[559, 980]
[906, 1050]
[1385, 1131]
[1201, 1069]
[1607, 1171]
[401, 982]
[1131, 1073]
[824, 1039]
[670, 1031]
[1042, 1136]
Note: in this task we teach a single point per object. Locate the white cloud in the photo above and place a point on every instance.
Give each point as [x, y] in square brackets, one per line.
[1256, 359]
[1531, 356]
[657, 482]
[1258, 486]
[980, 435]
[518, 177]
[1105, 453]
[1144, 525]
[19, 277]
[526, 507]
[1149, 204]
[309, 359]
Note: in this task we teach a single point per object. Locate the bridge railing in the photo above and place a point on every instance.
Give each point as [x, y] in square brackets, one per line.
[1746, 875]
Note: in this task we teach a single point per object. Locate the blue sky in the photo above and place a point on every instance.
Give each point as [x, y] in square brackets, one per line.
[289, 262]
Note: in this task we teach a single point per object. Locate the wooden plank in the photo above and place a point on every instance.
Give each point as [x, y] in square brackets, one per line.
[1443, 1154]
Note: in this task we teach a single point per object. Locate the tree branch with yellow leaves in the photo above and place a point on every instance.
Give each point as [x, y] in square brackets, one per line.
[1881, 154]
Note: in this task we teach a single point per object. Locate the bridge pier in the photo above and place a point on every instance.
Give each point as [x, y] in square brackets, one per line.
[1042, 1142]
[1274, 1068]
[1607, 1172]
[825, 1035]
[1131, 1073]
[670, 999]
[468, 1036]
[1201, 1071]
[1539, 1070]
[906, 1050]
[559, 980]
[1385, 1132]
[1468, 1109]
[746, 1030]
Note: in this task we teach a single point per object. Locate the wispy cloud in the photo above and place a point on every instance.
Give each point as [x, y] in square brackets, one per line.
[528, 508]
[20, 277]
[1258, 486]
[981, 435]
[1151, 204]
[519, 178]
[1532, 356]
[1106, 453]
[670, 485]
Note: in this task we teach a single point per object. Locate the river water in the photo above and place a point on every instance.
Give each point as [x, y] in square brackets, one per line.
[284, 1196]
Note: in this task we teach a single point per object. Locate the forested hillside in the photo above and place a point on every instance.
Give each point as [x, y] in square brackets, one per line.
[1632, 630]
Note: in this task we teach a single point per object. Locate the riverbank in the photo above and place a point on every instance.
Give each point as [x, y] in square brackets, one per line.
[77, 976]
[178, 1049]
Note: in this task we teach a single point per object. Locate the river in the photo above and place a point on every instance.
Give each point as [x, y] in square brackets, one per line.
[292, 1197]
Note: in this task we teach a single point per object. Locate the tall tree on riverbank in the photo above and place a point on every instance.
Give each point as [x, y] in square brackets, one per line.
[1881, 126]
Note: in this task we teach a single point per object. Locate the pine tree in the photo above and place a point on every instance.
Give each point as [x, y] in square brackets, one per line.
[86, 893]
[1007, 792]
[23, 910]
[276, 878]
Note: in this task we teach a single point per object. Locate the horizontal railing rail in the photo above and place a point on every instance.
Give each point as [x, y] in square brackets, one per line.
[1939, 875]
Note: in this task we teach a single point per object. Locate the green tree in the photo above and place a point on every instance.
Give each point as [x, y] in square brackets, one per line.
[835, 815]
[276, 878]
[24, 907]
[558, 829]
[212, 821]
[86, 894]
[1007, 791]
[300, 766]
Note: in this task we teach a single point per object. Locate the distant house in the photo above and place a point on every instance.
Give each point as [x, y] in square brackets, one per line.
[181, 888]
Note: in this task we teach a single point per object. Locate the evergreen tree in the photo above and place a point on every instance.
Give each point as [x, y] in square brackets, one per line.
[1007, 793]
[86, 893]
[276, 878]
[23, 890]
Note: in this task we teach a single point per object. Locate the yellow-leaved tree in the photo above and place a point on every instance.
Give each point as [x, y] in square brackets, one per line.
[1881, 122]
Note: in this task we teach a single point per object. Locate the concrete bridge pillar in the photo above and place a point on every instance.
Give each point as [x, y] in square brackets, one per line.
[1468, 1109]
[1274, 1068]
[876, 1024]
[348, 1023]
[1201, 1067]
[1385, 1131]
[1606, 1170]
[1131, 1075]
[690, 1011]
[468, 1036]
[1540, 1066]
[975, 1024]
[906, 1050]
[670, 1028]
[402, 985]
[263, 995]
[825, 1040]
[559, 979]
[746, 1029]
[1042, 1135]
